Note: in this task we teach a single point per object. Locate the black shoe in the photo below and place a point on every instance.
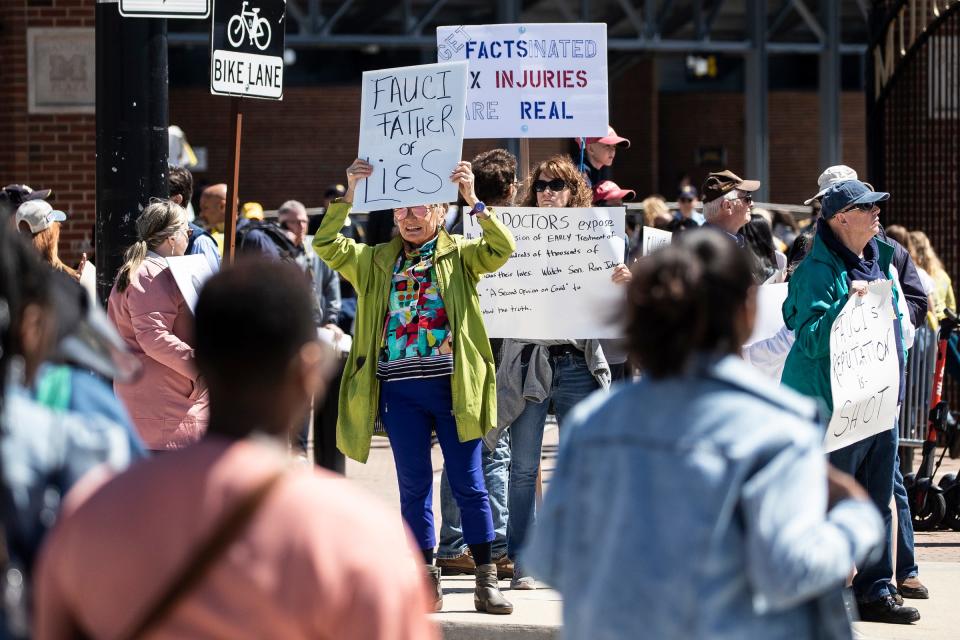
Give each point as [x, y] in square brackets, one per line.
[896, 595]
[887, 610]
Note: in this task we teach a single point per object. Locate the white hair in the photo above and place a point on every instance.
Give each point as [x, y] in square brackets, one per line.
[291, 206]
[712, 209]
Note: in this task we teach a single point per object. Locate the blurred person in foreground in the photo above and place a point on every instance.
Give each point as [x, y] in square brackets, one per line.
[716, 473]
[169, 402]
[421, 362]
[43, 453]
[847, 255]
[313, 557]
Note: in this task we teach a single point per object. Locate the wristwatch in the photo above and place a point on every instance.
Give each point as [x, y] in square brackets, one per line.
[478, 208]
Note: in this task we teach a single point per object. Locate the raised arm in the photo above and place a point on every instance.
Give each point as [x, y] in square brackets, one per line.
[492, 250]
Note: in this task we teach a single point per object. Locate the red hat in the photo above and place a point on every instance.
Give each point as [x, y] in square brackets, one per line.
[609, 190]
[611, 138]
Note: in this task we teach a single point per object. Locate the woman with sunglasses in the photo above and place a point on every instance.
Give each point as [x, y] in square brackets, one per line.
[421, 362]
[168, 403]
[561, 372]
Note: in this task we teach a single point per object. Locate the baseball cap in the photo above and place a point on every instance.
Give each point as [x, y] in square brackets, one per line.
[609, 190]
[688, 191]
[610, 138]
[851, 192]
[720, 183]
[39, 215]
[831, 176]
[252, 210]
[20, 193]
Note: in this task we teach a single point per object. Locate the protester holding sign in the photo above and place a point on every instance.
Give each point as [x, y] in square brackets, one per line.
[704, 485]
[168, 403]
[536, 373]
[847, 255]
[421, 361]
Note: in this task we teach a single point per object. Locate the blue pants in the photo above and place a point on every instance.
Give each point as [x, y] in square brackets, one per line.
[496, 473]
[872, 462]
[410, 411]
[572, 382]
[906, 557]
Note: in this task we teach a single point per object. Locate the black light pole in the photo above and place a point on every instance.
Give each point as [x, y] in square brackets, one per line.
[132, 120]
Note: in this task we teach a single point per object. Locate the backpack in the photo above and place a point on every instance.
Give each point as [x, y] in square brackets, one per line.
[287, 250]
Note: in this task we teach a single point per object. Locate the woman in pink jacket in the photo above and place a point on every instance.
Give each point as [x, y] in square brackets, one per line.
[168, 403]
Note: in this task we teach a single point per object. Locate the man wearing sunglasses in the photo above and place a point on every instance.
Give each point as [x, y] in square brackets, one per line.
[727, 199]
[421, 362]
[848, 254]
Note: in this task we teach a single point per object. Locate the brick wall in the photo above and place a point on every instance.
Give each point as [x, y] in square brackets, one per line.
[47, 150]
[689, 121]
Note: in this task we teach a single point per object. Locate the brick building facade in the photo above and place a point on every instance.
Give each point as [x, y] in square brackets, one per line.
[295, 148]
[47, 150]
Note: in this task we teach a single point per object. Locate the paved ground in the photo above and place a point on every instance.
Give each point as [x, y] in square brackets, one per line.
[537, 613]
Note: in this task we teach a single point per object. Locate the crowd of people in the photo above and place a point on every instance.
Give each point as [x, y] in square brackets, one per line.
[155, 439]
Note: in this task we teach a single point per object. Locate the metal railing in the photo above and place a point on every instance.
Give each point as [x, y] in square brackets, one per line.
[921, 362]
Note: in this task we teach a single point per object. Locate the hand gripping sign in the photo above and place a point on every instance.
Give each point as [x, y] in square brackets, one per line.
[411, 131]
[864, 368]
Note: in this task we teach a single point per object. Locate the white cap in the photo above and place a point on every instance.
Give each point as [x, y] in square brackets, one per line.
[833, 175]
[39, 215]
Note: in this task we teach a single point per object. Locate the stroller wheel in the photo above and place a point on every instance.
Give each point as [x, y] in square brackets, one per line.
[928, 514]
[951, 495]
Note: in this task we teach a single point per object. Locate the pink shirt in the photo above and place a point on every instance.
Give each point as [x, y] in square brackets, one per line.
[320, 559]
[166, 403]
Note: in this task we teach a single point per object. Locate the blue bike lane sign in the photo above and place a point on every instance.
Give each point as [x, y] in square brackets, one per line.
[246, 48]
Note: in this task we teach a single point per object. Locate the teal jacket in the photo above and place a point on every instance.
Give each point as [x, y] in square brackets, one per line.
[819, 289]
[459, 263]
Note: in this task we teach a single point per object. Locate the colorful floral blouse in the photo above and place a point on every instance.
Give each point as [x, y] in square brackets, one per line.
[417, 339]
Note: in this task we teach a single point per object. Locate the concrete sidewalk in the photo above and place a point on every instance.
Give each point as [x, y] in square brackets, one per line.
[537, 614]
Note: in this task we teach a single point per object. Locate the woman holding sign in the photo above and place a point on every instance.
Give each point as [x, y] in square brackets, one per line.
[564, 371]
[421, 362]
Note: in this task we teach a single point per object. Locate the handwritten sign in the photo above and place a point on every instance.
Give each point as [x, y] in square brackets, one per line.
[864, 368]
[532, 80]
[190, 273]
[411, 131]
[558, 283]
[654, 239]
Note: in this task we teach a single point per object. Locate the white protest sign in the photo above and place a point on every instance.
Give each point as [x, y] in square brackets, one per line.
[190, 273]
[411, 131]
[654, 239]
[535, 80]
[558, 283]
[769, 319]
[864, 368]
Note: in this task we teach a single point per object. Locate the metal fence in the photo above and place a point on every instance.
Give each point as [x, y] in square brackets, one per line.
[921, 361]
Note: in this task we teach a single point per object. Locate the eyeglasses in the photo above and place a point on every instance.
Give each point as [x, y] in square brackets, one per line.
[555, 185]
[186, 231]
[403, 212]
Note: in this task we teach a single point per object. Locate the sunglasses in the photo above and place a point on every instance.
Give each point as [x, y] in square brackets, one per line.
[684, 199]
[746, 198]
[866, 207]
[403, 212]
[555, 185]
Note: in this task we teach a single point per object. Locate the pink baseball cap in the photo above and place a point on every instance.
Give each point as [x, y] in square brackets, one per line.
[611, 138]
[609, 190]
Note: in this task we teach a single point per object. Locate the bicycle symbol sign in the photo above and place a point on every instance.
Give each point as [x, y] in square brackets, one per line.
[246, 48]
[249, 24]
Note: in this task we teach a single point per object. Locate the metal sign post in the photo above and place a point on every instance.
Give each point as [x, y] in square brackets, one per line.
[246, 61]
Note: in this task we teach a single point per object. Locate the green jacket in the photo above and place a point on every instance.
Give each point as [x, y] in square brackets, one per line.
[819, 290]
[459, 264]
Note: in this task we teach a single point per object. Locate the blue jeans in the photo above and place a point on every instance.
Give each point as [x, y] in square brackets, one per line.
[496, 473]
[572, 382]
[872, 462]
[906, 559]
[411, 410]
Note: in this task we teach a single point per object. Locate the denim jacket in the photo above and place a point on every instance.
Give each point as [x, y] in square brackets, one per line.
[706, 494]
